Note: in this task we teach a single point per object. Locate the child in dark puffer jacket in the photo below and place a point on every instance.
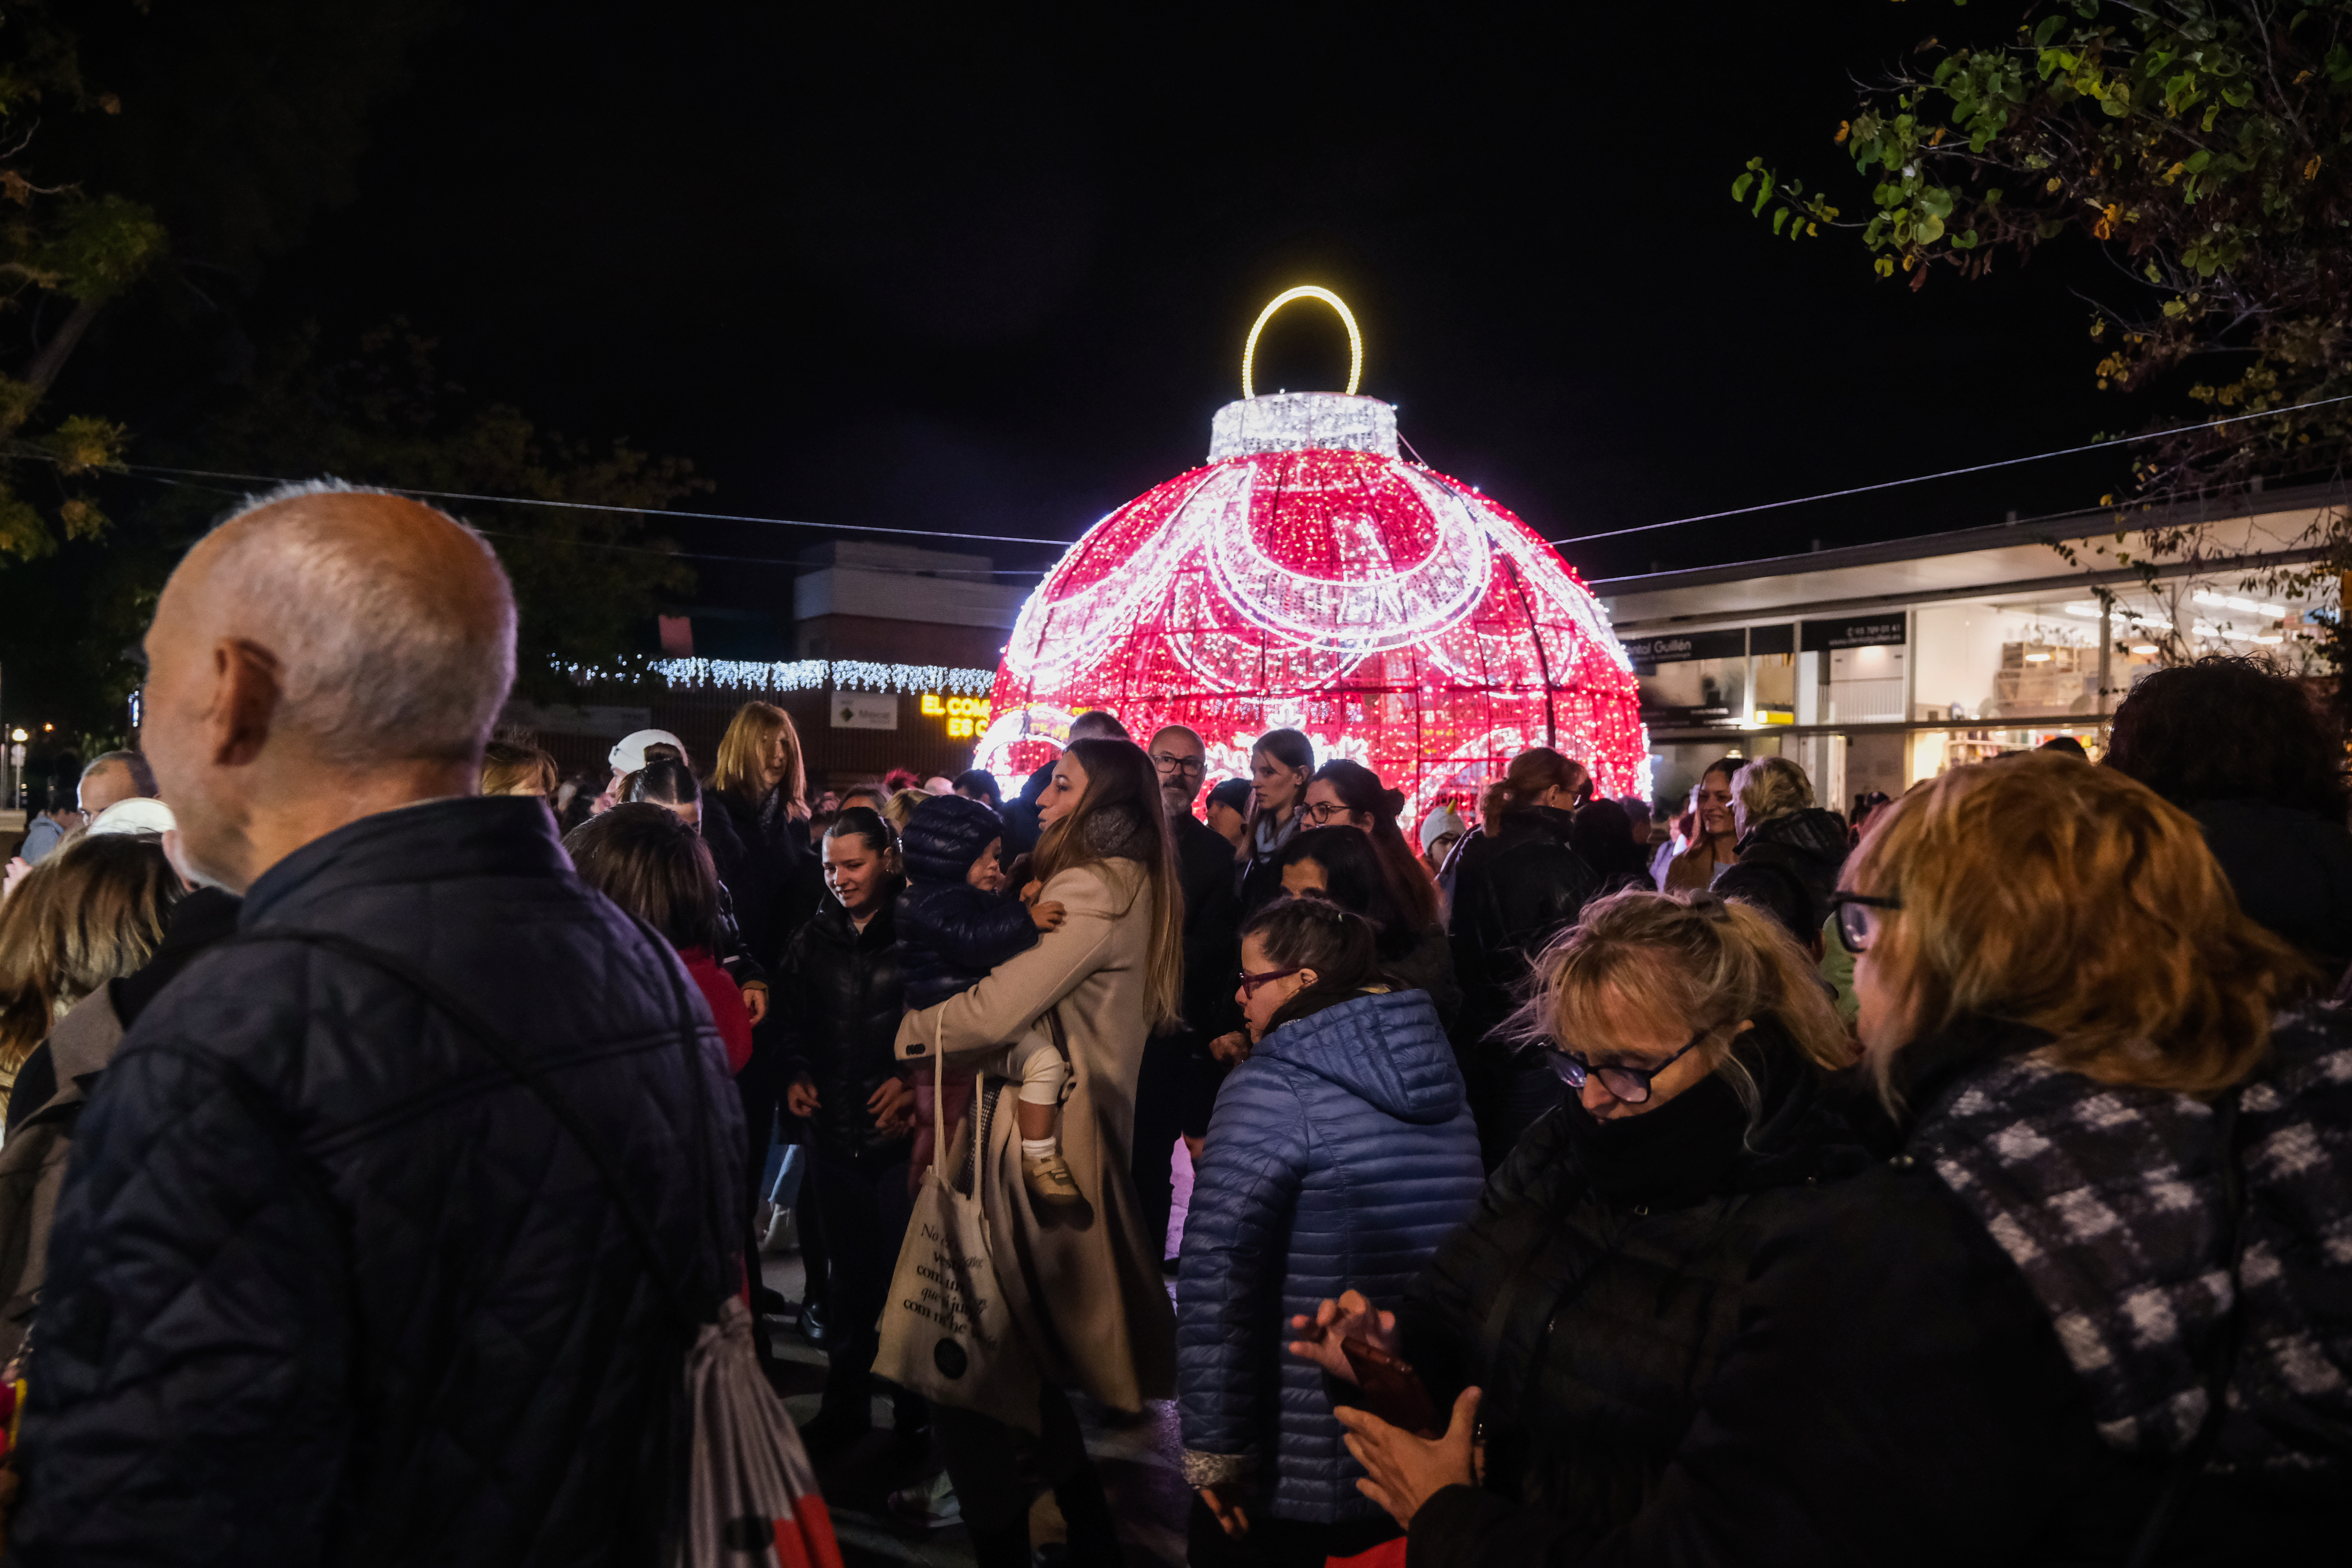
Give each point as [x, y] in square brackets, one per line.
[954, 926]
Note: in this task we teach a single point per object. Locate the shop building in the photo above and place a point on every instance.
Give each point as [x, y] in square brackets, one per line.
[1881, 665]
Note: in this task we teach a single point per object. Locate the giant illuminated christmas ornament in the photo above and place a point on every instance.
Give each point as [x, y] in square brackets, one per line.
[1309, 577]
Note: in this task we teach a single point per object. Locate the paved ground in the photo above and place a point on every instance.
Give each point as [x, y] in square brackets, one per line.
[1137, 1458]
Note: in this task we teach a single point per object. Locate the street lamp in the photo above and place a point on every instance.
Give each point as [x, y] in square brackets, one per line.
[17, 757]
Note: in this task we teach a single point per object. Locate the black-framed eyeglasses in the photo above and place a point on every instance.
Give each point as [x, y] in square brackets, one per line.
[1168, 764]
[1323, 810]
[1858, 918]
[1250, 983]
[1629, 1084]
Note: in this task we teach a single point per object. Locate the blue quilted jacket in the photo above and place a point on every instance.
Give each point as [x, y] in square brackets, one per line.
[1339, 1155]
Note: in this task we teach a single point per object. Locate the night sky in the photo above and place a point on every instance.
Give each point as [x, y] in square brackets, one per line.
[967, 275]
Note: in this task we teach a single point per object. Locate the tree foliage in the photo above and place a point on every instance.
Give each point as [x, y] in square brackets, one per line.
[65, 251]
[587, 582]
[2205, 146]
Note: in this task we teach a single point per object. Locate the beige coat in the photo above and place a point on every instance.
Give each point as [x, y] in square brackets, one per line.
[1083, 1283]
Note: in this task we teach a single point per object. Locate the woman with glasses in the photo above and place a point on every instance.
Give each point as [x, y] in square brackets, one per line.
[1602, 1276]
[1345, 794]
[2097, 1308]
[1341, 1152]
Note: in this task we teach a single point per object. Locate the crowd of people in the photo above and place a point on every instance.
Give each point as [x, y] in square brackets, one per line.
[1965, 1178]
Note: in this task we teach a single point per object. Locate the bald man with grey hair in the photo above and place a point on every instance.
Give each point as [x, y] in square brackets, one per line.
[329, 1280]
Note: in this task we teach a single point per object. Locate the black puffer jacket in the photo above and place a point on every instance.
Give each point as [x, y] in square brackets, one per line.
[1808, 848]
[950, 933]
[841, 999]
[328, 1286]
[1602, 1276]
[1898, 1389]
[1512, 892]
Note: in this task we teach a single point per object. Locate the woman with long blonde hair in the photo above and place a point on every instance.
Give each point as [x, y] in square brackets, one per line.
[2092, 1309]
[757, 834]
[1097, 988]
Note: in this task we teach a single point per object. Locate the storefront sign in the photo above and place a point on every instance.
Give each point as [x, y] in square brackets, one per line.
[1682, 648]
[1878, 631]
[865, 710]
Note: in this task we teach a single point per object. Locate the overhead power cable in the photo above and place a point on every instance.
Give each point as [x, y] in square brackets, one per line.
[1950, 473]
[593, 505]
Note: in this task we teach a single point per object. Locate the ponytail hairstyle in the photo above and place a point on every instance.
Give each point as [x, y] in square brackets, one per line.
[1533, 774]
[1707, 962]
[1360, 791]
[1339, 945]
[1119, 817]
[665, 781]
[1355, 881]
[864, 822]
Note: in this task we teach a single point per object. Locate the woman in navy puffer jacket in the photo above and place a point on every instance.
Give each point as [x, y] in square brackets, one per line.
[1343, 1149]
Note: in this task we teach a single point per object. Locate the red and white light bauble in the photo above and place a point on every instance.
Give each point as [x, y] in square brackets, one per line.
[1310, 577]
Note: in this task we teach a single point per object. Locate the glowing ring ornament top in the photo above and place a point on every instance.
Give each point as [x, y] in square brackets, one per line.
[1347, 319]
[1309, 576]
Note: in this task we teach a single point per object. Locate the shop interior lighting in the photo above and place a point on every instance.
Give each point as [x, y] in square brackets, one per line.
[2244, 606]
[2037, 659]
[2145, 649]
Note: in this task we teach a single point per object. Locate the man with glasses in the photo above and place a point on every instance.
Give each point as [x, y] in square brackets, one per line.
[1178, 1086]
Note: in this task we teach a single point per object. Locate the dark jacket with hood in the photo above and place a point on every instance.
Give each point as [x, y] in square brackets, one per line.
[1598, 1284]
[1994, 1347]
[1512, 891]
[950, 933]
[328, 1284]
[1807, 848]
[2292, 871]
[843, 997]
[1339, 1157]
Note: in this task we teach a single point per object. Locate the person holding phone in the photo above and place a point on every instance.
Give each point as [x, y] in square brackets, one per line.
[1579, 1312]
[1346, 1138]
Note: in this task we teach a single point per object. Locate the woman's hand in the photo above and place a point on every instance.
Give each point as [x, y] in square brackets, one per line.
[800, 1099]
[1404, 1471]
[1231, 1049]
[892, 1105]
[1226, 1503]
[1349, 1317]
[755, 1000]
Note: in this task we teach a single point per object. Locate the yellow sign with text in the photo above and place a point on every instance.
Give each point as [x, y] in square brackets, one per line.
[965, 714]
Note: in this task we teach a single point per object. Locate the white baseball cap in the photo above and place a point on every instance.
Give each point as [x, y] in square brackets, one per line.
[628, 753]
[139, 814]
[1438, 824]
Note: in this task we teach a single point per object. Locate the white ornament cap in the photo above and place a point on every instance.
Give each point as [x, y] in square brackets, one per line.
[1295, 421]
